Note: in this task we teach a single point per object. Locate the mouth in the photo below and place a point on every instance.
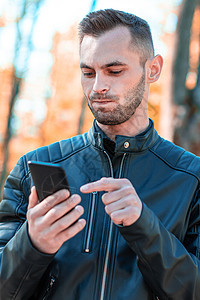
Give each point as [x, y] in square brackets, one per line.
[104, 101]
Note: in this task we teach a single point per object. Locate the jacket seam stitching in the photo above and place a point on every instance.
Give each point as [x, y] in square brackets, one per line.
[22, 281]
[173, 167]
[73, 153]
[144, 261]
[67, 156]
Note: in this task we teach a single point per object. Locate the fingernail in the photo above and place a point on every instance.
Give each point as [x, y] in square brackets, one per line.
[82, 221]
[79, 209]
[83, 188]
[67, 193]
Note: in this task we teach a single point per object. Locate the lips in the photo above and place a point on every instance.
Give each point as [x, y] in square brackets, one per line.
[102, 101]
[102, 97]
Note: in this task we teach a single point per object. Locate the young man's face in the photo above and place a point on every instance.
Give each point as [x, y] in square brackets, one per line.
[112, 78]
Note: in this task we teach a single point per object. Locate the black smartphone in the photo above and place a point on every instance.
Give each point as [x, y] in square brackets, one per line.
[48, 178]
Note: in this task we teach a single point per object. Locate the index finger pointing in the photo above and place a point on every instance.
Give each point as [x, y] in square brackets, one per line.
[107, 184]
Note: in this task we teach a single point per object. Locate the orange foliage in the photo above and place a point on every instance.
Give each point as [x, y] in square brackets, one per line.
[65, 104]
[194, 50]
[5, 93]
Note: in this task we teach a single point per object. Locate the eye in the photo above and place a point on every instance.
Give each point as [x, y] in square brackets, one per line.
[115, 72]
[88, 73]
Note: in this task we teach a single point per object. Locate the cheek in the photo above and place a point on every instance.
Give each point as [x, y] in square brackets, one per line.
[86, 86]
[127, 84]
[122, 87]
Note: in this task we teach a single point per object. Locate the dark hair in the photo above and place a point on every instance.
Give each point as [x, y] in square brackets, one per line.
[98, 22]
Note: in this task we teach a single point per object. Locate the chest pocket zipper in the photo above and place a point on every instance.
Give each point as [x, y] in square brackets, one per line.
[90, 227]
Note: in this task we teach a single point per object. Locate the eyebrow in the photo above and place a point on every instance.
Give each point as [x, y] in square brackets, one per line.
[112, 64]
[82, 65]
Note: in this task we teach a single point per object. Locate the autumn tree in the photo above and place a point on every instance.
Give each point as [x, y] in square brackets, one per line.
[22, 42]
[186, 77]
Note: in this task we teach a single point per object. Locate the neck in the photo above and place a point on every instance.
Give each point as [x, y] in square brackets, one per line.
[129, 128]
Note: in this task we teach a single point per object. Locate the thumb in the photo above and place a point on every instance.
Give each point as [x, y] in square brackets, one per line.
[33, 198]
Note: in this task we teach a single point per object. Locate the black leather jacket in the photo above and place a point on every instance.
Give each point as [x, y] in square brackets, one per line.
[158, 256]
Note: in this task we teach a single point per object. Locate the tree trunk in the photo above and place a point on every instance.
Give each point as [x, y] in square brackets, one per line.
[187, 119]
[18, 75]
[181, 59]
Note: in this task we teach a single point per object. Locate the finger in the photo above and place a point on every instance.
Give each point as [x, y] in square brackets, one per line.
[54, 199]
[48, 203]
[129, 201]
[72, 230]
[108, 184]
[62, 209]
[47, 232]
[33, 198]
[116, 195]
[124, 202]
[67, 220]
[126, 216]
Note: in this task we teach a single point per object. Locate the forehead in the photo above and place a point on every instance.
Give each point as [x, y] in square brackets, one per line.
[113, 45]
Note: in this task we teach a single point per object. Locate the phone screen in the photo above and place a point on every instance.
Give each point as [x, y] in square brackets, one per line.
[48, 178]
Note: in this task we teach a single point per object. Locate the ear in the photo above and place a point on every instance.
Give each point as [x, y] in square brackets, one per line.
[154, 68]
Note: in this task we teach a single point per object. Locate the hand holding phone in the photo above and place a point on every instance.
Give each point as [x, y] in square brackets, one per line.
[56, 219]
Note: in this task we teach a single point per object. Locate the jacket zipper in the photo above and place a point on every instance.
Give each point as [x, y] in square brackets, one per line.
[110, 231]
[87, 244]
[49, 288]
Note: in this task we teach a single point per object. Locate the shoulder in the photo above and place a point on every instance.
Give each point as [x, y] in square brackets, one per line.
[18, 183]
[177, 157]
[53, 153]
[58, 150]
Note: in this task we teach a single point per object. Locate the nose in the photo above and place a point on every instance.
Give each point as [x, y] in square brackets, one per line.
[100, 84]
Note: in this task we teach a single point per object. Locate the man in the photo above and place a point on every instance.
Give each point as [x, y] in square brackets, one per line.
[131, 228]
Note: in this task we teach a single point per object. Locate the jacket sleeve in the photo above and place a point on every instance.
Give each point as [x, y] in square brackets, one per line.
[169, 267]
[21, 265]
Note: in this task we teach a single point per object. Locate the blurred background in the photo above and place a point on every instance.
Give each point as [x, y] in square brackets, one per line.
[41, 99]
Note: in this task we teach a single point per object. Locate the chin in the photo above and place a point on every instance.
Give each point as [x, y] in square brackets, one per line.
[109, 122]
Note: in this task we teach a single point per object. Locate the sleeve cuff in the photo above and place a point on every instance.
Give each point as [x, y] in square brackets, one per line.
[26, 249]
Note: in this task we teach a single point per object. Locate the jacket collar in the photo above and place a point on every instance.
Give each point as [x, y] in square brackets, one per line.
[138, 143]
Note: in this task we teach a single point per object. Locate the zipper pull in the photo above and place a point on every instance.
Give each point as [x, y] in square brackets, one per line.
[50, 286]
[52, 282]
